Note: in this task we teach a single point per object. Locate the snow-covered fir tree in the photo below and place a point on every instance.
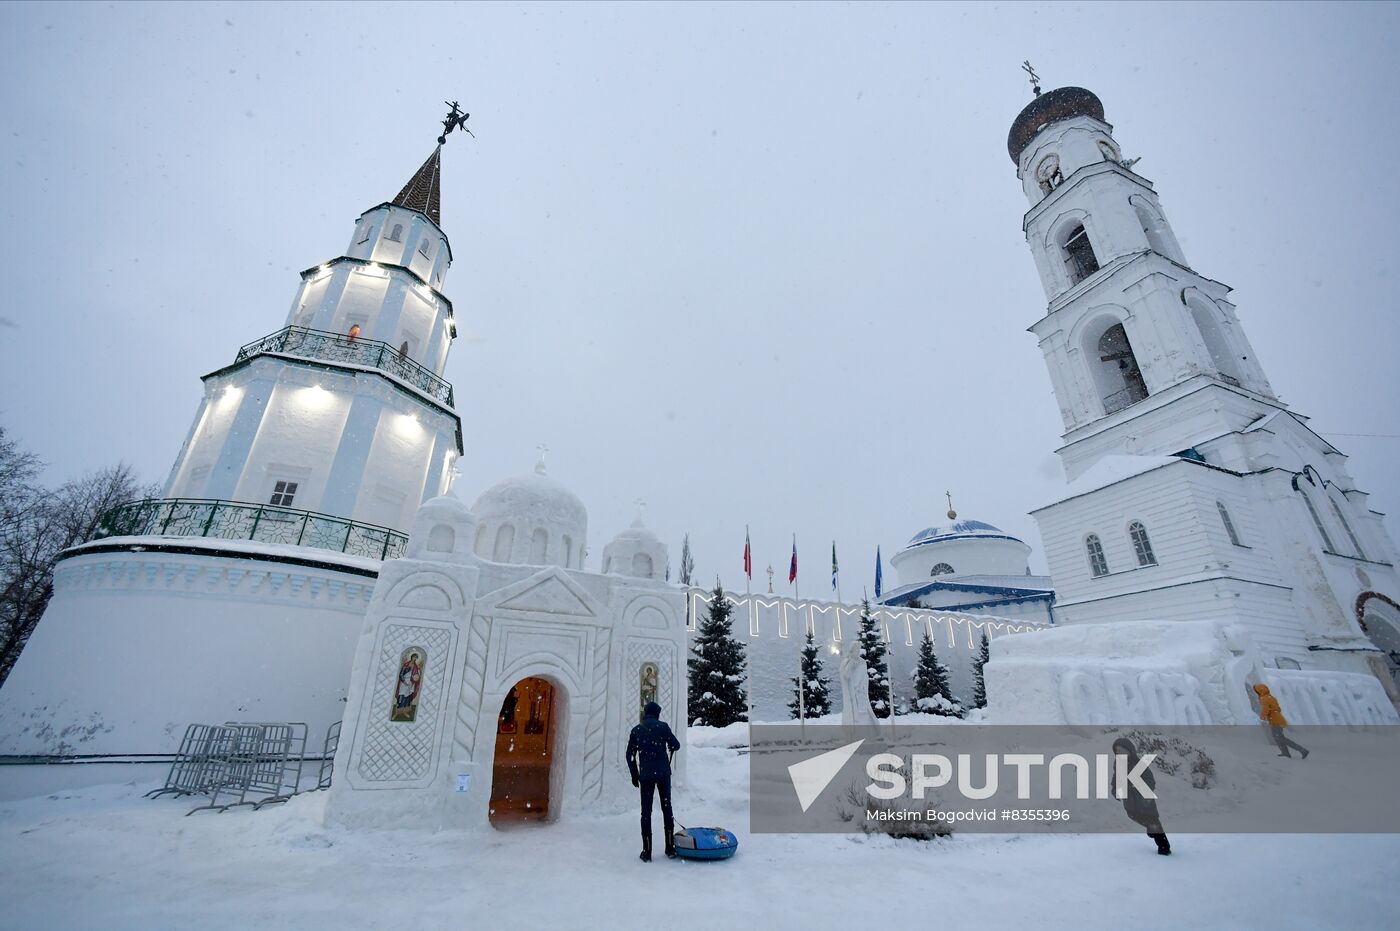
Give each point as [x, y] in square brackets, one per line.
[932, 694]
[818, 691]
[717, 694]
[876, 653]
[979, 684]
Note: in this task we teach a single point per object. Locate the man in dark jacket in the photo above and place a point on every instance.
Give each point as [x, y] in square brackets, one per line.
[1139, 807]
[649, 749]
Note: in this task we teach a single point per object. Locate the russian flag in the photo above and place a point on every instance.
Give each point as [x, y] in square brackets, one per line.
[748, 555]
[792, 569]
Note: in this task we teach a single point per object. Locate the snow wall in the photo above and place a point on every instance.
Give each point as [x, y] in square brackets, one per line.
[1163, 672]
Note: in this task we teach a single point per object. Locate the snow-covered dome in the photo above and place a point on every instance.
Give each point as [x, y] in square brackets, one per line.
[637, 552]
[960, 548]
[960, 529]
[531, 520]
[443, 530]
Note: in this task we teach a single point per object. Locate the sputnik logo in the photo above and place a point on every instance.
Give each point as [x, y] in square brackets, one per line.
[811, 777]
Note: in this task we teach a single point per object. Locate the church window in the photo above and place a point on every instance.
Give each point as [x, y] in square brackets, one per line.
[396, 234]
[1346, 525]
[641, 565]
[423, 248]
[483, 542]
[539, 544]
[1142, 546]
[1109, 152]
[364, 234]
[1317, 522]
[1080, 260]
[1047, 174]
[568, 551]
[505, 540]
[1098, 565]
[941, 569]
[1229, 524]
[283, 493]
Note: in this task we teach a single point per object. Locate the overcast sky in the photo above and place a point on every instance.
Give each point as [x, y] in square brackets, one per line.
[752, 263]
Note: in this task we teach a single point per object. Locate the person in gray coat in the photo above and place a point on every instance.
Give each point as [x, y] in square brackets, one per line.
[1139, 807]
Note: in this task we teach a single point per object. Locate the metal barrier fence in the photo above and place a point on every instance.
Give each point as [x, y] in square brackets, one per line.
[252, 763]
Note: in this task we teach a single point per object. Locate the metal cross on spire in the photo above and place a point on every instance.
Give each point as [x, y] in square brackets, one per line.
[952, 514]
[1026, 67]
[641, 506]
[539, 466]
[455, 119]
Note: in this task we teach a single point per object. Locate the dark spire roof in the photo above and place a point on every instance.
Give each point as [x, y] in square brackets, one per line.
[423, 192]
[1063, 103]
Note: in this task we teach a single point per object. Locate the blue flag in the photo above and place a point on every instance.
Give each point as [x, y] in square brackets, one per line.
[879, 574]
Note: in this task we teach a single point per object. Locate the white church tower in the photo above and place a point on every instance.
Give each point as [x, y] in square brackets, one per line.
[240, 593]
[343, 411]
[1194, 492]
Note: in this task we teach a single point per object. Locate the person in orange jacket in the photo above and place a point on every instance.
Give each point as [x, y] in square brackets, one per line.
[1271, 714]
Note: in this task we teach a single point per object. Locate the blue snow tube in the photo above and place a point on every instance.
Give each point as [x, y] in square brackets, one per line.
[705, 843]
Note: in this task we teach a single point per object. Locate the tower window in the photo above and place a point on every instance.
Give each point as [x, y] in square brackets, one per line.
[1080, 260]
[941, 569]
[1119, 376]
[364, 234]
[396, 234]
[1098, 565]
[1142, 546]
[423, 248]
[1109, 152]
[1346, 525]
[1229, 524]
[1317, 522]
[283, 493]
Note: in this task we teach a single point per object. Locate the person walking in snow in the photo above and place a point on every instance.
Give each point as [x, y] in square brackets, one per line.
[1271, 714]
[649, 749]
[1139, 807]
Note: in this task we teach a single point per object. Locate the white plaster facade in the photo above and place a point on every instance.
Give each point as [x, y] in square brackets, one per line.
[1173, 434]
[485, 626]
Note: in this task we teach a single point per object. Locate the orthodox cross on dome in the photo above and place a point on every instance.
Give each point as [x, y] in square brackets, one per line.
[1025, 66]
[770, 580]
[952, 514]
[539, 466]
[641, 507]
[455, 119]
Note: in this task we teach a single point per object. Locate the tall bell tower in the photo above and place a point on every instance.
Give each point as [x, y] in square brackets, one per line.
[1194, 491]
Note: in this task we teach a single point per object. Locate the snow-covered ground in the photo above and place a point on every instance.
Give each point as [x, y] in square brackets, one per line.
[106, 857]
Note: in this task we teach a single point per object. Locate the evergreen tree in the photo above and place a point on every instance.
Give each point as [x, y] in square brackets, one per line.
[979, 687]
[716, 665]
[932, 693]
[873, 649]
[687, 564]
[818, 697]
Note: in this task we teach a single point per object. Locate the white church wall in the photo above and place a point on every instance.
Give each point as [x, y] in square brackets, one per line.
[135, 646]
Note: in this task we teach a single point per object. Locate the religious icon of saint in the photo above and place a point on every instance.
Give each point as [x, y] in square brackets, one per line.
[506, 725]
[409, 686]
[650, 686]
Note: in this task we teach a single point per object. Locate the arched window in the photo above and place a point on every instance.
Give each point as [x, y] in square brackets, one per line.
[1317, 522]
[396, 234]
[1109, 152]
[505, 541]
[1152, 228]
[424, 247]
[1207, 319]
[539, 544]
[441, 538]
[1142, 546]
[483, 542]
[568, 551]
[364, 234]
[1346, 525]
[1079, 257]
[1118, 371]
[641, 565]
[1229, 524]
[941, 569]
[1098, 565]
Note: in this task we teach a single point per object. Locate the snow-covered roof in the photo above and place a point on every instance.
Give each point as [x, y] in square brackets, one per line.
[1110, 470]
[961, 529]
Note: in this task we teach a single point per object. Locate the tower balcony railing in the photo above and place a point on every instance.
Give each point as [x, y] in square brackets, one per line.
[1124, 398]
[342, 347]
[259, 523]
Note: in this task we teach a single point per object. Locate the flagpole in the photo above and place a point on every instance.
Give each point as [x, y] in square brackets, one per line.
[796, 592]
[748, 562]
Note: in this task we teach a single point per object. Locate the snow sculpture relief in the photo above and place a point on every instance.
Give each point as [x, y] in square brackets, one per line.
[450, 636]
[855, 687]
[1149, 672]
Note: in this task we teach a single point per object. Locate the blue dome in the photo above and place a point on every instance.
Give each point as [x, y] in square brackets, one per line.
[957, 530]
